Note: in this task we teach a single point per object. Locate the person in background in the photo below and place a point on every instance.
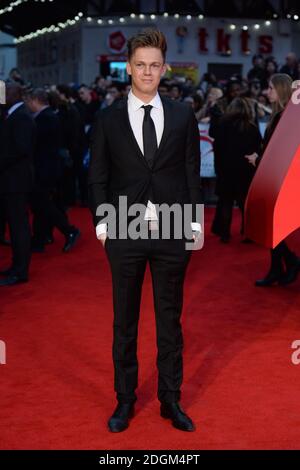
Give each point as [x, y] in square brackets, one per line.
[90, 106]
[258, 71]
[47, 173]
[176, 92]
[214, 95]
[196, 102]
[216, 113]
[17, 139]
[197, 105]
[163, 88]
[271, 69]
[15, 77]
[238, 135]
[73, 146]
[291, 66]
[284, 265]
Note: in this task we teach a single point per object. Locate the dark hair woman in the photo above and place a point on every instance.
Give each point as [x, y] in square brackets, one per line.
[238, 135]
[284, 263]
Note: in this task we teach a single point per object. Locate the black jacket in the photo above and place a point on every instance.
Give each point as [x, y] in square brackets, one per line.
[231, 145]
[268, 135]
[17, 141]
[46, 157]
[118, 167]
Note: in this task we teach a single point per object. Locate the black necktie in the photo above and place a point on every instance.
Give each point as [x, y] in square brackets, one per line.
[149, 136]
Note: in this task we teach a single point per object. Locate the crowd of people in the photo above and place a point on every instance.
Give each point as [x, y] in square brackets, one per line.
[45, 139]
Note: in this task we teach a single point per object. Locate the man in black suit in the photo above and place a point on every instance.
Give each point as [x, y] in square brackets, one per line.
[16, 178]
[47, 170]
[146, 148]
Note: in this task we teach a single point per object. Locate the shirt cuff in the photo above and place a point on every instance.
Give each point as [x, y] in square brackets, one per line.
[196, 227]
[101, 229]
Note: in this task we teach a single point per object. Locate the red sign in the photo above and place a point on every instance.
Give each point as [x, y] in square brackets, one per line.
[117, 42]
[223, 39]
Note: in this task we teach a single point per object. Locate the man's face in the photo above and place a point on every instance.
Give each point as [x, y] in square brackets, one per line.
[163, 90]
[114, 92]
[31, 104]
[84, 95]
[175, 92]
[235, 91]
[259, 62]
[146, 68]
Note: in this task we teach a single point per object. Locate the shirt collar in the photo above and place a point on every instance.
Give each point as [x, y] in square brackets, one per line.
[35, 115]
[14, 107]
[136, 103]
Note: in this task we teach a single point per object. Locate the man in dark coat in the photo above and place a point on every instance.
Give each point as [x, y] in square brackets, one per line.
[16, 180]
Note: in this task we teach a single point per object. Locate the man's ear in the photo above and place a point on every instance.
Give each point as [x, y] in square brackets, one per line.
[128, 68]
[164, 69]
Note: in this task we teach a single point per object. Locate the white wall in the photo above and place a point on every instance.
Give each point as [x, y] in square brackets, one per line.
[8, 55]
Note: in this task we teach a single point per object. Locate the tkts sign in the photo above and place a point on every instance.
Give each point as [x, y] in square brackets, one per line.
[223, 42]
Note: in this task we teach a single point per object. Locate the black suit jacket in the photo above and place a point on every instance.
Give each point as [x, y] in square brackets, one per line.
[118, 167]
[17, 140]
[47, 163]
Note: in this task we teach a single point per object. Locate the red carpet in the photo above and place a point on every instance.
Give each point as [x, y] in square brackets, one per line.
[241, 388]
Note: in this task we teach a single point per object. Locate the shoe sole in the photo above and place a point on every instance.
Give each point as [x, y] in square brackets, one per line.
[116, 432]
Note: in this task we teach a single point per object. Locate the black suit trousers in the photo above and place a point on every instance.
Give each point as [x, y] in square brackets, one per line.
[45, 215]
[168, 261]
[15, 205]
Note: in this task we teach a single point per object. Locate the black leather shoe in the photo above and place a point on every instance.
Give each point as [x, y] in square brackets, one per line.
[119, 421]
[180, 420]
[273, 277]
[71, 239]
[12, 280]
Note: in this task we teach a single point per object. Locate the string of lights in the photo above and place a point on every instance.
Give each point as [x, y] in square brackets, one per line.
[133, 17]
[17, 3]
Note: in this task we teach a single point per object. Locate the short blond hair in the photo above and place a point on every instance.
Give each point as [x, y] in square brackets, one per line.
[149, 37]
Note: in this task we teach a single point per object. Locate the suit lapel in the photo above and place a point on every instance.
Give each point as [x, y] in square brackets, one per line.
[128, 132]
[167, 105]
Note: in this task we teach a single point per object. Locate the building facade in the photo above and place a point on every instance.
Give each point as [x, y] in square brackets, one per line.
[8, 55]
[79, 53]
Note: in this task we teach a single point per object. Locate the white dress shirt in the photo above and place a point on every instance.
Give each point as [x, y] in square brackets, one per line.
[136, 117]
